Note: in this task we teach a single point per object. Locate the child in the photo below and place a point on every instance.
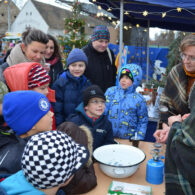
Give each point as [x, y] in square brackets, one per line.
[27, 113]
[84, 179]
[30, 76]
[49, 161]
[126, 109]
[91, 114]
[69, 85]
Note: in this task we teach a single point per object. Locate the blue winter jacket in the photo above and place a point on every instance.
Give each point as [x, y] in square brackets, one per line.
[127, 109]
[17, 184]
[100, 128]
[68, 91]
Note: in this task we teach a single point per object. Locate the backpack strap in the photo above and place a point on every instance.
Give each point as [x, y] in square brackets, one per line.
[109, 54]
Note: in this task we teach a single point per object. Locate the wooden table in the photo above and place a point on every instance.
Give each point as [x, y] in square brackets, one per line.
[137, 178]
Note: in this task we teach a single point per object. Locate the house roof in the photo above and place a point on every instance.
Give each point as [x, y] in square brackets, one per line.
[54, 16]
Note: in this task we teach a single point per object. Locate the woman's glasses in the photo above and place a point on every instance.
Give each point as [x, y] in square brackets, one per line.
[184, 56]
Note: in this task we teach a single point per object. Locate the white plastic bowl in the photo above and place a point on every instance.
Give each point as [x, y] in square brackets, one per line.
[118, 160]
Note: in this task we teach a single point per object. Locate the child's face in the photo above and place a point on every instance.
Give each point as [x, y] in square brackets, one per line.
[77, 69]
[125, 82]
[95, 107]
[45, 123]
[42, 89]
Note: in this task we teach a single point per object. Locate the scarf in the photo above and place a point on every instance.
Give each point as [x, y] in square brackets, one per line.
[52, 61]
[191, 79]
[17, 56]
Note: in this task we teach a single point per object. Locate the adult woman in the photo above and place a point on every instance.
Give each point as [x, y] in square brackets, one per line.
[52, 56]
[32, 49]
[180, 81]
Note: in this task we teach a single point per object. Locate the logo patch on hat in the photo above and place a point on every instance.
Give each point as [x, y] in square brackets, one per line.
[43, 104]
[93, 92]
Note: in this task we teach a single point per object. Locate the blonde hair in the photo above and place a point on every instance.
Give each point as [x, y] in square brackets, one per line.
[189, 40]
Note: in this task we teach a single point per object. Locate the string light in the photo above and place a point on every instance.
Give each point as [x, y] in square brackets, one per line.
[179, 9]
[164, 14]
[145, 13]
[126, 27]
[99, 7]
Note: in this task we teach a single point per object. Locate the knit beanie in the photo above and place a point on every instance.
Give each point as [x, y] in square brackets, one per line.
[23, 109]
[3, 91]
[76, 55]
[37, 77]
[92, 92]
[100, 32]
[126, 72]
[51, 158]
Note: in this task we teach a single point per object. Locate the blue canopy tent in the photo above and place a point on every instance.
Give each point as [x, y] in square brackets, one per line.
[166, 14]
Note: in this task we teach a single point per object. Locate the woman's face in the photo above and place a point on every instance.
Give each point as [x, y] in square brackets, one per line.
[188, 57]
[35, 51]
[49, 49]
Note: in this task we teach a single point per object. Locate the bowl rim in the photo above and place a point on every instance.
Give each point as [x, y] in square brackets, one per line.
[120, 166]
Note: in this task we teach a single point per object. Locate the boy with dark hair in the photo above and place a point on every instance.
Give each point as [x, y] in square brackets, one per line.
[91, 114]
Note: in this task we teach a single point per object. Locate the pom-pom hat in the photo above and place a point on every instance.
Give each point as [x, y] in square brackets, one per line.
[23, 109]
[51, 158]
[38, 77]
[100, 32]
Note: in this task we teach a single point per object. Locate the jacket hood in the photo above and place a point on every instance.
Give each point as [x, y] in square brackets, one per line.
[16, 77]
[136, 71]
[86, 130]
[12, 185]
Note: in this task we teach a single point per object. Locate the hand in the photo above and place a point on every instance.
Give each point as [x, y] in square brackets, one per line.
[47, 67]
[185, 116]
[173, 119]
[161, 135]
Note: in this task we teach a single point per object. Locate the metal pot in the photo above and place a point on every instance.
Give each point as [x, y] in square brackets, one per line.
[118, 160]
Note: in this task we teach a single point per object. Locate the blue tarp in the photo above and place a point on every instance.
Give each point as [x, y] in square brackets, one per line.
[138, 55]
[174, 20]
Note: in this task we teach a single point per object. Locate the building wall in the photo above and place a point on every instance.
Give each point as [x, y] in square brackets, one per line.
[4, 18]
[29, 17]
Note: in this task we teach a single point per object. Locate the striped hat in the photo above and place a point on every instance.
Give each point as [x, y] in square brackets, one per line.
[37, 77]
[100, 32]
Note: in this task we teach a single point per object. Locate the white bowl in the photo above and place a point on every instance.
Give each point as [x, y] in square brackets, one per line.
[118, 160]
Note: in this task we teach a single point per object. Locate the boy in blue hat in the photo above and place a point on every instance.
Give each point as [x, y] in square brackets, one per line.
[69, 85]
[127, 109]
[26, 113]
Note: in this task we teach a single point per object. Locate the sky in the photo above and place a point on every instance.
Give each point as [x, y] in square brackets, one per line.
[20, 4]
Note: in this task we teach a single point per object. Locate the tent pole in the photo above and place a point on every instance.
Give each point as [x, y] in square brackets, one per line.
[121, 33]
[148, 62]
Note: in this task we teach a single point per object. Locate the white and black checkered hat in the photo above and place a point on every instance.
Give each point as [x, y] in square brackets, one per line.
[51, 158]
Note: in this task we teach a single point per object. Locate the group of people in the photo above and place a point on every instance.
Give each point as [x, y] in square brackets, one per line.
[53, 119]
[178, 130]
